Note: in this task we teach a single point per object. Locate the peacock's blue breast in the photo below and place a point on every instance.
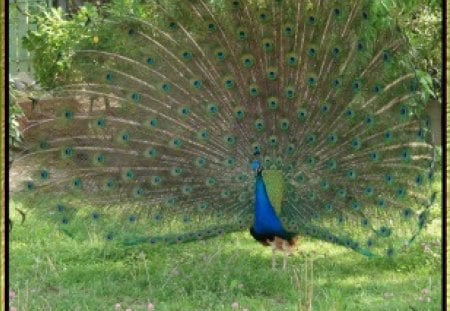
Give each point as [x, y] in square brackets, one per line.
[266, 221]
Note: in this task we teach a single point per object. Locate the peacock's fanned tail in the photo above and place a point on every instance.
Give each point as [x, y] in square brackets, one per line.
[174, 107]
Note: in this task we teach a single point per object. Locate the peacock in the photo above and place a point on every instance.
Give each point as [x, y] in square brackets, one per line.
[197, 118]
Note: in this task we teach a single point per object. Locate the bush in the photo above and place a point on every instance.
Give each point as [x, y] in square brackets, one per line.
[54, 43]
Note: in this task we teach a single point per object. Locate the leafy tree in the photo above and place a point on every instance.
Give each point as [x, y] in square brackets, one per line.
[421, 21]
[54, 42]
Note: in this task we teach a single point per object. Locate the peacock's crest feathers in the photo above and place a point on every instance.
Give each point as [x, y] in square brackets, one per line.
[180, 103]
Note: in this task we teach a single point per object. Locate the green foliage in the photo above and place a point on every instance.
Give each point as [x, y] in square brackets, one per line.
[421, 21]
[15, 113]
[55, 41]
[126, 8]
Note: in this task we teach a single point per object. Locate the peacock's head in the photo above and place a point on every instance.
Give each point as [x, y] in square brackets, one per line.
[256, 167]
[256, 164]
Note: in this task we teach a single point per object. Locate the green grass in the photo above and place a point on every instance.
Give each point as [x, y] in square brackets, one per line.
[51, 271]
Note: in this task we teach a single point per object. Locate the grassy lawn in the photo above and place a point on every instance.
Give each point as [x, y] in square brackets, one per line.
[51, 271]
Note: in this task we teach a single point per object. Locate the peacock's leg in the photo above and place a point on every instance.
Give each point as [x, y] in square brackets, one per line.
[274, 248]
[285, 248]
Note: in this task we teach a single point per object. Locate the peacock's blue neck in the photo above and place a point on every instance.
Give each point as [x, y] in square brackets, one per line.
[266, 220]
